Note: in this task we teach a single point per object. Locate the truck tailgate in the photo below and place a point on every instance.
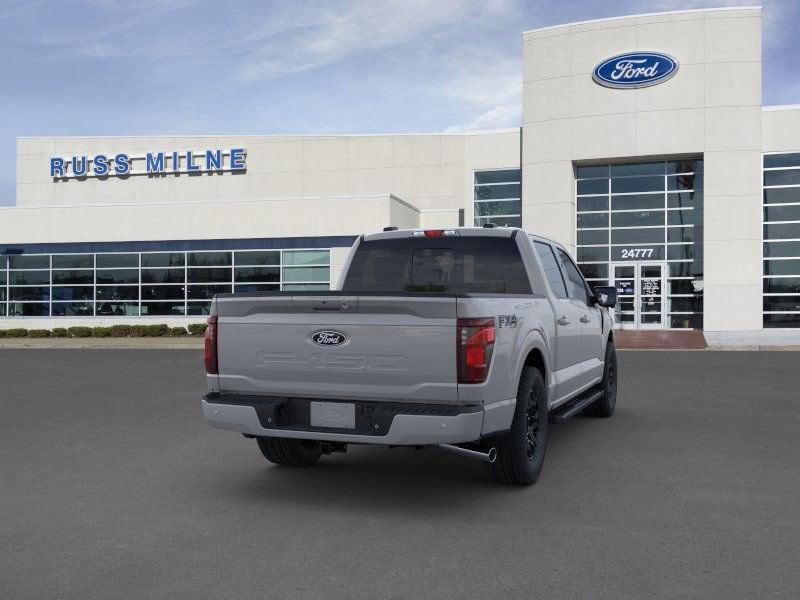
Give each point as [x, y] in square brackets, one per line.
[399, 348]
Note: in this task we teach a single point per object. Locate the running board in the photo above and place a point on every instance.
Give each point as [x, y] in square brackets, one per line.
[566, 411]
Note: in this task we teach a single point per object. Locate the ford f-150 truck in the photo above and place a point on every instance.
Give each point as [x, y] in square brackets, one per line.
[469, 339]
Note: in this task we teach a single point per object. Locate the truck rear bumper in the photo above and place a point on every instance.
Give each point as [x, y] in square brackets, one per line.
[387, 423]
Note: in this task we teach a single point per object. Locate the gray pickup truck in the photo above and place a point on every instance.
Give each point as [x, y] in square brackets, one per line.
[469, 339]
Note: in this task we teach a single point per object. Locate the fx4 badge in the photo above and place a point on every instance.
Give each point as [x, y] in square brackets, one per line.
[506, 320]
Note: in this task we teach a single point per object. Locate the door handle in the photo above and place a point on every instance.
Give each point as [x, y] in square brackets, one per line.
[584, 319]
[563, 321]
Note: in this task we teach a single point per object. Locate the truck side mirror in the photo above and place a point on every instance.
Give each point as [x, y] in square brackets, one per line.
[606, 296]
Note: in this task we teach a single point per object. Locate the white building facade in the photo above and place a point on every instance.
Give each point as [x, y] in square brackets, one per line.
[661, 171]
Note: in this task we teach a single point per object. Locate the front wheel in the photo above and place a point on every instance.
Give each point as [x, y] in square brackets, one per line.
[520, 453]
[604, 407]
[289, 452]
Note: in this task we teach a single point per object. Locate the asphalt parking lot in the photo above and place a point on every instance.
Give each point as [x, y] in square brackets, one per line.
[111, 486]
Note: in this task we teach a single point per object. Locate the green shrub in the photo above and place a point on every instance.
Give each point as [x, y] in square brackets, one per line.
[17, 332]
[138, 330]
[2, 333]
[120, 330]
[197, 328]
[177, 331]
[157, 330]
[80, 332]
[101, 332]
[59, 332]
[38, 333]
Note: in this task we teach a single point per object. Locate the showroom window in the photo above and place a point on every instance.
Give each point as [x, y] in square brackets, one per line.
[498, 196]
[781, 301]
[129, 284]
[649, 213]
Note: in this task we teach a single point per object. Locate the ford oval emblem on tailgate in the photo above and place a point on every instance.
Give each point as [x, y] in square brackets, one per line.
[328, 338]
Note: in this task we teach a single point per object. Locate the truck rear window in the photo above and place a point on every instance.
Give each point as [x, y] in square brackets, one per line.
[487, 265]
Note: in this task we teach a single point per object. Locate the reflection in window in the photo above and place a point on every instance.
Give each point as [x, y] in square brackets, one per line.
[497, 197]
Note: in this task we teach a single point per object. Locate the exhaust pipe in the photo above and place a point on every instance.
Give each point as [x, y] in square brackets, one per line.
[488, 457]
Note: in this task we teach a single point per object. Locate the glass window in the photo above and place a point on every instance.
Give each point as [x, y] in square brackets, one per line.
[117, 292]
[593, 237]
[782, 195]
[209, 259]
[29, 278]
[791, 159]
[28, 309]
[117, 309]
[163, 275]
[789, 177]
[37, 294]
[592, 186]
[589, 171]
[596, 271]
[163, 309]
[782, 231]
[2, 277]
[637, 202]
[502, 185]
[256, 287]
[593, 220]
[592, 254]
[782, 213]
[782, 303]
[654, 168]
[680, 234]
[782, 285]
[782, 320]
[684, 199]
[501, 208]
[73, 277]
[782, 249]
[682, 217]
[29, 261]
[588, 203]
[72, 292]
[499, 176]
[73, 261]
[306, 257]
[206, 292]
[551, 269]
[198, 308]
[117, 261]
[305, 287]
[117, 276]
[637, 236]
[640, 251]
[682, 182]
[577, 287]
[636, 184]
[494, 192]
[677, 252]
[257, 257]
[162, 292]
[243, 274]
[163, 259]
[221, 275]
[684, 166]
[782, 267]
[303, 274]
[73, 309]
[452, 265]
[637, 219]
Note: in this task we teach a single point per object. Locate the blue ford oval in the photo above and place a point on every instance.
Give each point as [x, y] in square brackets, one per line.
[635, 70]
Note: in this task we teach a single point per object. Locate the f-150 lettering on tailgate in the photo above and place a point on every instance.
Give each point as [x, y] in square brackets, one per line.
[340, 362]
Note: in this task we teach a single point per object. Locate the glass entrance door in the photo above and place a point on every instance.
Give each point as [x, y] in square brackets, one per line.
[640, 289]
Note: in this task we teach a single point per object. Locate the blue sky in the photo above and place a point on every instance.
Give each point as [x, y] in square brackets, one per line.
[150, 67]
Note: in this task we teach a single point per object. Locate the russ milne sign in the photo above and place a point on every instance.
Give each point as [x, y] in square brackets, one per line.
[151, 163]
[635, 70]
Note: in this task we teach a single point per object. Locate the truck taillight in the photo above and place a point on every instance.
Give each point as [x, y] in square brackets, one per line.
[210, 352]
[475, 345]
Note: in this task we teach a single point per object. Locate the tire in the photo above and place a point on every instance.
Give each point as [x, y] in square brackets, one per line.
[289, 452]
[604, 407]
[520, 456]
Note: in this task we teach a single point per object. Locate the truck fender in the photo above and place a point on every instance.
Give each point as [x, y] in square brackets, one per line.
[535, 339]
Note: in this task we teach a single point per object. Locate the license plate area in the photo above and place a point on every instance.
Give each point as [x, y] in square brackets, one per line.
[337, 415]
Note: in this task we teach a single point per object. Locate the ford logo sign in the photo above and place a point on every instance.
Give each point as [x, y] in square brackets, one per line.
[328, 338]
[635, 70]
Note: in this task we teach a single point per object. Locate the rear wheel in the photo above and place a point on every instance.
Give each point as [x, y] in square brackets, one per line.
[289, 452]
[604, 407]
[520, 453]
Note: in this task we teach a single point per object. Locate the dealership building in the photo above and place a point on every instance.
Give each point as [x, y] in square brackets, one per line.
[644, 149]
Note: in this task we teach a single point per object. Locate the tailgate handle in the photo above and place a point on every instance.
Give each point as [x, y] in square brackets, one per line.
[327, 304]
